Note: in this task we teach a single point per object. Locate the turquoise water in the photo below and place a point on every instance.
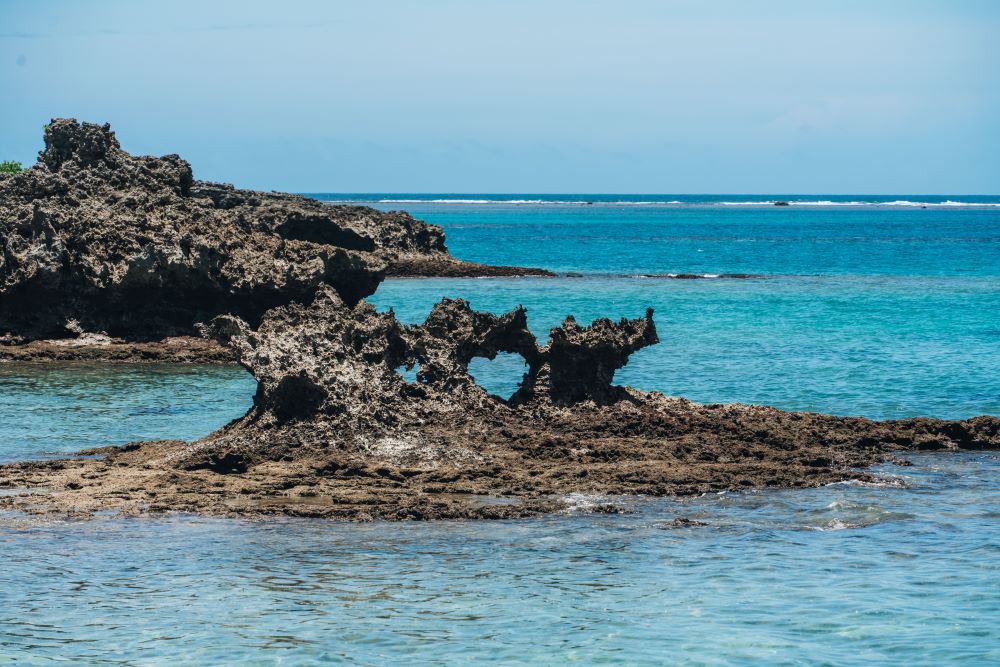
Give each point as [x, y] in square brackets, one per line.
[59, 409]
[875, 346]
[841, 575]
[882, 310]
[618, 235]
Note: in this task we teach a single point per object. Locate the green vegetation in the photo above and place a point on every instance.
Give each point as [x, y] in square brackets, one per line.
[10, 167]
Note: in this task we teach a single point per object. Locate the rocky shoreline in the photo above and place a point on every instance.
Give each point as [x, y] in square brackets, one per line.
[103, 349]
[163, 267]
[110, 256]
[337, 432]
[96, 240]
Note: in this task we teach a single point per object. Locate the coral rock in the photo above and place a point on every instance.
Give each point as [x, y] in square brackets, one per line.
[136, 248]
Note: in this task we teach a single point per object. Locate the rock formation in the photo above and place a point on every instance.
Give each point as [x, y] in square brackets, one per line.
[336, 431]
[93, 239]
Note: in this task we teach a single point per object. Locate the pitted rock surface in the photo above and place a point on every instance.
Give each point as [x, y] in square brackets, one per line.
[94, 239]
[335, 431]
[339, 363]
[98, 244]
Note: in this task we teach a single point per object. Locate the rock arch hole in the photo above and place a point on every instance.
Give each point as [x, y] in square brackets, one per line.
[501, 376]
[409, 374]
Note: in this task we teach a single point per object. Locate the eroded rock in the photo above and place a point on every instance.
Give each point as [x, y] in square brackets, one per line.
[335, 431]
[94, 238]
[97, 240]
[338, 362]
[454, 333]
[579, 363]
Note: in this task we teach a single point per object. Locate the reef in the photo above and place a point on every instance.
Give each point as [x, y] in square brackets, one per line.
[100, 348]
[336, 431]
[95, 241]
[109, 256]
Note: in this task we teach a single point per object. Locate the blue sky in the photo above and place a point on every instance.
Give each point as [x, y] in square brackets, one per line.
[629, 96]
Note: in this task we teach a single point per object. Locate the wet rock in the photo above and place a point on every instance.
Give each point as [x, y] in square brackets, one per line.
[100, 348]
[445, 266]
[680, 522]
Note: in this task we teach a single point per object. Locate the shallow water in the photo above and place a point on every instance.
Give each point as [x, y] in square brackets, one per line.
[58, 409]
[897, 316]
[844, 574]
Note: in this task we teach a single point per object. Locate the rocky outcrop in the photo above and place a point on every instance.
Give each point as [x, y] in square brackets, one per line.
[336, 430]
[579, 362]
[96, 240]
[93, 239]
[89, 347]
[419, 265]
[339, 363]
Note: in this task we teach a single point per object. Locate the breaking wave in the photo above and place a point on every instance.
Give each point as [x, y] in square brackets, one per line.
[877, 204]
[690, 202]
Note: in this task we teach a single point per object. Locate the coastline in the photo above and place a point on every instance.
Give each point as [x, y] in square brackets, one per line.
[372, 334]
[277, 283]
[509, 468]
[446, 266]
[336, 432]
[92, 348]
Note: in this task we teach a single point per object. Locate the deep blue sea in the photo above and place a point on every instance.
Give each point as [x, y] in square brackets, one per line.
[880, 306]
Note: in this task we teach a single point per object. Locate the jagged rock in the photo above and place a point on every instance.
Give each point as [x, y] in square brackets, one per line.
[454, 333]
[338, 363]
[580, 362]
[94, 237]
[335, 431]
[135, 247]
[326, 360]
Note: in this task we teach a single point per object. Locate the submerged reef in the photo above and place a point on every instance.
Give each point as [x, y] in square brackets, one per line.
[132, 257]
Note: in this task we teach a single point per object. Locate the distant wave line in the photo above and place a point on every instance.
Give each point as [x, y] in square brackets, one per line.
[827, 202]
[525, 201]
[791, 202]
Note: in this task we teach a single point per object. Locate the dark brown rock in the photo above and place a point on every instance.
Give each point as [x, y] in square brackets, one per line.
[104, 349]
[580, 362]
[336, 432]
[445, 266]
[94, 239]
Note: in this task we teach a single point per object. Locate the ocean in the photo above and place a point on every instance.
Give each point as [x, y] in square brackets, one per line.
[883, 310]
[882, 306]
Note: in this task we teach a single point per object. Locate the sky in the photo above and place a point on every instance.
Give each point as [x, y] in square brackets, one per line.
[519, 96]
